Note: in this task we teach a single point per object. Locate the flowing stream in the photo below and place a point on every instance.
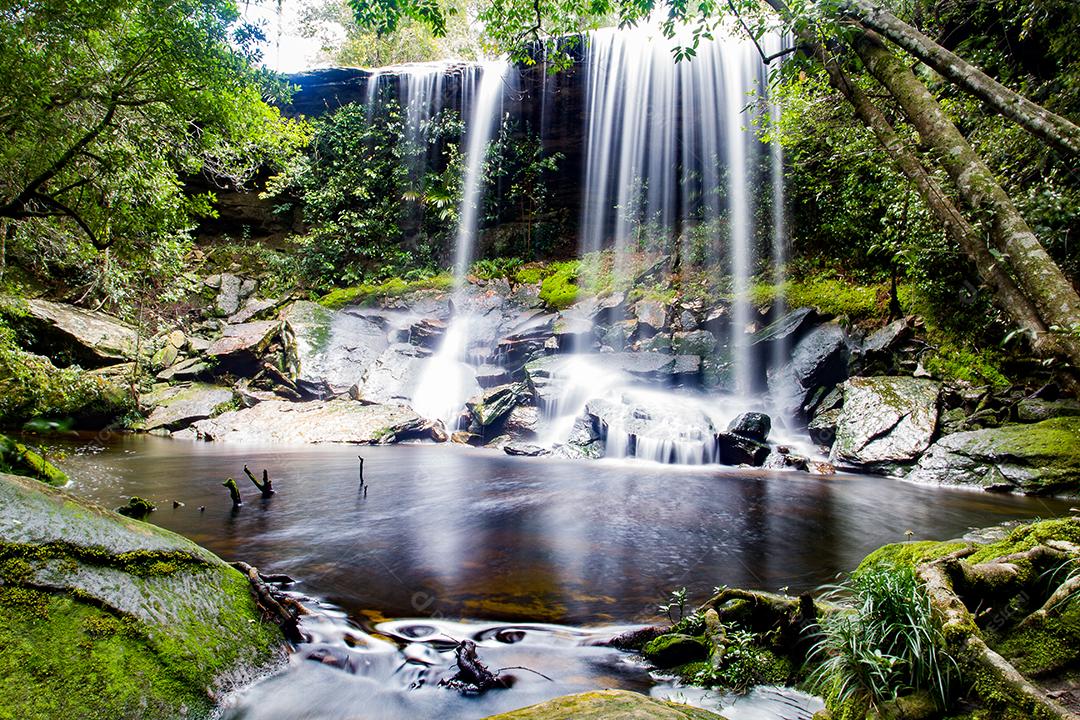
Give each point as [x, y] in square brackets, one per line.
[543, 557]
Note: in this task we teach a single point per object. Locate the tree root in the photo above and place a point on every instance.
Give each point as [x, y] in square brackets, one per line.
[275, 605]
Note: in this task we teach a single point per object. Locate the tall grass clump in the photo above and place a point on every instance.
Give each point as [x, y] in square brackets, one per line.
[884, 642]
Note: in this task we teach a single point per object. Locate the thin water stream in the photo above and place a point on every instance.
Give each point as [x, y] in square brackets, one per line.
[543, 556]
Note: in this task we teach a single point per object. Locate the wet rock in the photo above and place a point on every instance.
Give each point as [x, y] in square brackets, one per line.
[317, 421]
[643, 365]
[489, 376]
[660, 342]
[608, 705]
[1037, 409]
[427, 333]
[688, 320]
[110, 593]
[573, 332]
[1041, 458]
[463, 437]
[885, 421]
[788, 329]
[786, 461]
[753, 425]
[329, 351]
[525, 449]
[523, 422]
[822, 429]
[394, 376]
[542, 377]
[651, 315]
[71, 335]
[738, 450]
[496, 404]
[179, 406]
[695, 342]
[820, 359]
[668, 651]
[526, 341]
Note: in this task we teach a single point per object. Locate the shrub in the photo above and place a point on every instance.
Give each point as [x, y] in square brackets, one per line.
[884, 642]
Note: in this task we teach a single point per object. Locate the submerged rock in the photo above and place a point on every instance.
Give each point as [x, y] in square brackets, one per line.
[524, 449]
[331, 421]
[106, 617]
[608, 705]
[1042, 458]
[885, 421]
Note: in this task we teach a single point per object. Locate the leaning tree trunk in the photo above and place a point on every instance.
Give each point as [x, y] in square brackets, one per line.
[1040, 122]
[1008, 296]
[1037, 275]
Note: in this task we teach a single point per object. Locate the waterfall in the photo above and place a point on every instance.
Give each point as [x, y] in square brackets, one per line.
[449, 378]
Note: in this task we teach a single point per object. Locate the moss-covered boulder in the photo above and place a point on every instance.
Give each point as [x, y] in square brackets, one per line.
[675, 649]
[106, 617]
[608, 705]
[180, 405]
[18, 459]
[1041, 458]
[885, 421]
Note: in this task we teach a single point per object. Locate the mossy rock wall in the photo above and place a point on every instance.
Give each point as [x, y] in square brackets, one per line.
[106, 617]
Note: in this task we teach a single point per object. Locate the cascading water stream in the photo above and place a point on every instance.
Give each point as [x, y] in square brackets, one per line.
[671, 166]
[449, 380]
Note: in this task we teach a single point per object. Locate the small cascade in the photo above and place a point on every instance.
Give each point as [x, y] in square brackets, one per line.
[449, 378]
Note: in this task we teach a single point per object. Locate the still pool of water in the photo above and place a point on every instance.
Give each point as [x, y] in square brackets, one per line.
[549, 554]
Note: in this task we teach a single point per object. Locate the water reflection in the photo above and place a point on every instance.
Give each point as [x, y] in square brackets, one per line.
[470, 533]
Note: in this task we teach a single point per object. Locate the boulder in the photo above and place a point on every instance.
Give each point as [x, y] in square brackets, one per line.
[1037, 409]
[694, 342]
[170, 349]
[185, 370]
[231, 294]
[608, 705]
[523, 421]
[241, 345]
[675, 649]
[885, 421]
[788, 329]
[738, 450]
[102, 616]
[255, 309]
[394, 376]
[650, 314]
[753, 425]
[72, 335]
[181, 405]
[1038, 459]
[496, 404]
[332, 421]
[822, 429]
[330, 351]
[887, 339]
[820, 359]
[427, 333]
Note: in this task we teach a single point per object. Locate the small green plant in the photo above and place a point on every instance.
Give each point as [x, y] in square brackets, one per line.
[883, 643]
[559, 290]
[675, 604]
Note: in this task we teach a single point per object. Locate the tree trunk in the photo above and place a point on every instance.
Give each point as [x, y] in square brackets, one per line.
[1008, 296]
[1040, 122]
[1037, 275]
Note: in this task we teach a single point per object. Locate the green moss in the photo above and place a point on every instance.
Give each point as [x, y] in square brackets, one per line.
[559, 290]
[18, 459]
[369, 294]
[833, 296]
[909, 554]
[1028, 536]
[1047, 646]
